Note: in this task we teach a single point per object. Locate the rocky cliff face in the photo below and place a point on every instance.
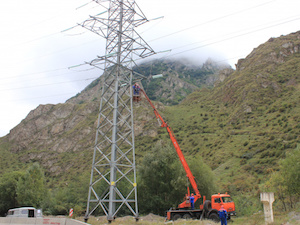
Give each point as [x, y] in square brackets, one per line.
[274, 52]
[264, 75]
[52, 130]
[44, 126]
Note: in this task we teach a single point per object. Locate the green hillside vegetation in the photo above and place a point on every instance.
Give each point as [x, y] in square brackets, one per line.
[240, 136]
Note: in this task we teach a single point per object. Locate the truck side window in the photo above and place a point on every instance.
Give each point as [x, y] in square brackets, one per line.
[217, 200]
[226, 199]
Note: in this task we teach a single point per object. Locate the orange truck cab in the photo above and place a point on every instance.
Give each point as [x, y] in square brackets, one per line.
[225, 200]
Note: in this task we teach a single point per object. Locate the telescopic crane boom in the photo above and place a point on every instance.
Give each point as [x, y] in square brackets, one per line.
[186, 167]
[209, 208]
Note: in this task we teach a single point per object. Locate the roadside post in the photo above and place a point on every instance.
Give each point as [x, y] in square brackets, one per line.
[71, 213]
[267, 198]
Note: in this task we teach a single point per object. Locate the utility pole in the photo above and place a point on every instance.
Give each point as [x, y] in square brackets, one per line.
[113, 186]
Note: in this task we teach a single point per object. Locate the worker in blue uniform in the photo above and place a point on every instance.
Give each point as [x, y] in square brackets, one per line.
[136, 89]
[223, 215]
[192, 201]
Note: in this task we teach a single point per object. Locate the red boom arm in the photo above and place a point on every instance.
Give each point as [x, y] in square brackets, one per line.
[186, 167]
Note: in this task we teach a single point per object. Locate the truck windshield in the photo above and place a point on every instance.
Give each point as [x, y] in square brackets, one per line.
[226, 199]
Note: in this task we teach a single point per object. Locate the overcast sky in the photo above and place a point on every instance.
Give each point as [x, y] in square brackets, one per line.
[39, 54]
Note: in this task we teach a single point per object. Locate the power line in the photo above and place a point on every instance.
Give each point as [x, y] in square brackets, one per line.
[58, 51]
[226, 39]
[232, 37]
[38, 78]
[34, 73]
[210, 21]
[41, 97]
[163, 57]
[63, 12]
[50, 35]
[48, 71]
[172, 49]
[161, 37]
[240, 31]
[83, 5]
[43, 85]
[213, 20]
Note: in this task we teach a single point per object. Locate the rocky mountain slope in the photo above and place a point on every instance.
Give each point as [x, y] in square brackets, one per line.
[242, 126]
[56, 135]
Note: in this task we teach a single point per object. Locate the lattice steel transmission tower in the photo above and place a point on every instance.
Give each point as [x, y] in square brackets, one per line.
[113, 185]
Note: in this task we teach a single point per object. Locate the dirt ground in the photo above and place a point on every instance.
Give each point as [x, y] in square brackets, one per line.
[149, 219]
[293, 218]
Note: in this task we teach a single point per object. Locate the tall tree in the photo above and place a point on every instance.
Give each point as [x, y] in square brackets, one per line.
[291, 171]
[31, 188]
[290, 168]
[8, 196]
[286, 182]
[204, 176]
[161, 180]
[70, 195]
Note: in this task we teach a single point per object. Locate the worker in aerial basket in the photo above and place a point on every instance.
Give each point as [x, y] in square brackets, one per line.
[192, 201]
[223, 215]
[133, 87]
[136, 89]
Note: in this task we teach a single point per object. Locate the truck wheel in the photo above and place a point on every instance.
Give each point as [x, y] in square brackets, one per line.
[207, 206]
[187, 216]
[214, 217]
[176, 217]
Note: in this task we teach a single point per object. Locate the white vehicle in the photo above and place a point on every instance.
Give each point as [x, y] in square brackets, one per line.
[25, 212]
